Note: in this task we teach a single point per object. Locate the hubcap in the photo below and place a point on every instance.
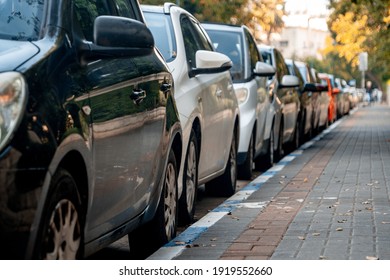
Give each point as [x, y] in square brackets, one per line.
[63, 235]
[233, 162]
[271, 148]
[191, 177]
[170, 201]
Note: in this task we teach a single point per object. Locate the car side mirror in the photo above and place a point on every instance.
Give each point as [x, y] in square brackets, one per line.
[289, 81]
[210, 62]
[120, 37]
[264, 70]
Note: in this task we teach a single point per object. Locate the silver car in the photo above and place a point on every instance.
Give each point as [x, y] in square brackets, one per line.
[206, 102]
[249, 74]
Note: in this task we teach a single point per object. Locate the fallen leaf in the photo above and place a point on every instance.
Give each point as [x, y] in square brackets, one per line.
[316, 234]
[305, 180]
[339, 229]
[385, 223]
[371, 258]
[301, 238]
[213, 239]
[342, 221]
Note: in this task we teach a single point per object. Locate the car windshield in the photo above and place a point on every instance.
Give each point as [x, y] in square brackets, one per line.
[230, 44]
[20, 20]
[161, 27]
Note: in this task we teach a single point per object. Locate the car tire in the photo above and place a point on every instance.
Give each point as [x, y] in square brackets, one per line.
[267, 161]
[60, 235]
[225, 185]
[279, 151]
[245, 171]
[190, 182]
[149, 237]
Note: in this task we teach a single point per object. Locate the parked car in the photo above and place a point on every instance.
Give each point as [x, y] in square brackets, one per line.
[326, 104]
[90, 138]
[285, 86]
[332, 93]
[306, 89]
[249, 74]
[318, 96]
[206, 101]
[339, 96]
[344, 95]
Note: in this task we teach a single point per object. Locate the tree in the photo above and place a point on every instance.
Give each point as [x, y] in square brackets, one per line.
[362, 25]
[265, 15]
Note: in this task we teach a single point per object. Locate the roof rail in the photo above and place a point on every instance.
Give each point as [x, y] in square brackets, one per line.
[167, 7]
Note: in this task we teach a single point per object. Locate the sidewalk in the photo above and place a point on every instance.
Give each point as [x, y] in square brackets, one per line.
[329, 199]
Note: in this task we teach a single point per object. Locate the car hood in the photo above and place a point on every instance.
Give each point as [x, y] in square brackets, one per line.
[15, 53]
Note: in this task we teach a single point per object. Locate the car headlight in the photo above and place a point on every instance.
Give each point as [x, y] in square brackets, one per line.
[12, 103]
[242, 95]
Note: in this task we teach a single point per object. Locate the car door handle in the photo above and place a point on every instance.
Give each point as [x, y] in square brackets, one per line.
[138, 95]
[165, 87]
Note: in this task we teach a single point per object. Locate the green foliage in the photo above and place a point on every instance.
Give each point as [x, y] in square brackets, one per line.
[366, 29]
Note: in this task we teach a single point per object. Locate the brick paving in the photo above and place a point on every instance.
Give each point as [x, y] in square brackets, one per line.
[330, 202]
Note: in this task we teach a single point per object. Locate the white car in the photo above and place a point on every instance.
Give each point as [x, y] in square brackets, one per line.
[206, 101]
[249, 74]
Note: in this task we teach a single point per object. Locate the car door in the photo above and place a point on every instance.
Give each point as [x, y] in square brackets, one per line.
[263, 101]
[211, 98]
[127, 110]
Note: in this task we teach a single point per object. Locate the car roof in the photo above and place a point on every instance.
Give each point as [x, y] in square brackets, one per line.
[166, 8]
[297, 63]
[266, 47]
[221, 26]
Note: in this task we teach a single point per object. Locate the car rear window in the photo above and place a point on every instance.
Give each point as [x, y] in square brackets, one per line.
[20, 20]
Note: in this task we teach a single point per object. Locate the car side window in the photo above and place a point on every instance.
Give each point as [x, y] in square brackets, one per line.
[281, 67]
[194, 40]
[87, 10]
[299, 76]
[125, 9]
[253, 51]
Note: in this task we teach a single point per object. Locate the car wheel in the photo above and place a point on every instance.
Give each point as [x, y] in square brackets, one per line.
[279, 151]
[245, 171]
[297, 136]
[149, 237]
[60, 234]
[190, 182]
[267, 161]
[225, 185]
[166, 215]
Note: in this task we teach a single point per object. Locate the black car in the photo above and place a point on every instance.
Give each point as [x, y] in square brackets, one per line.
[90, 141]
